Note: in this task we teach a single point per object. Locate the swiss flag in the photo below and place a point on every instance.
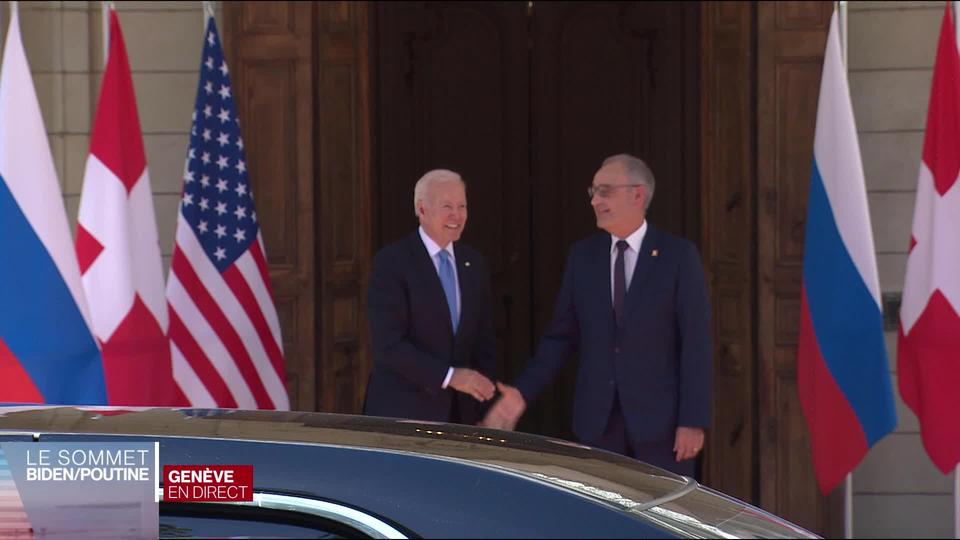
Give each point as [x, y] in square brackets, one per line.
[928, 345]
[118, 249]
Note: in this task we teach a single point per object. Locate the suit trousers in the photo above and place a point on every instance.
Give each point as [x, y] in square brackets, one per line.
[615, 438]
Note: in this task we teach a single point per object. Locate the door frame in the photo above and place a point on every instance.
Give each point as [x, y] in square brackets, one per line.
[746, 50]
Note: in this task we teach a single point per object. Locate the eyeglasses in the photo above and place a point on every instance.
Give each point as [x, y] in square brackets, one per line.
[604, 191]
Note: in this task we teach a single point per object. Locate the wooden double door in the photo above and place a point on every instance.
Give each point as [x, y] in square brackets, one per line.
[346, 104]
[525, 100]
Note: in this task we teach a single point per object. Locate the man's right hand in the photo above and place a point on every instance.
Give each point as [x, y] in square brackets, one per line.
[472, 383]
[507, 410]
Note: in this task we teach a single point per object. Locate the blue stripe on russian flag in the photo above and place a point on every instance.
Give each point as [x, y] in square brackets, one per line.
[39, 319]
[846, 320]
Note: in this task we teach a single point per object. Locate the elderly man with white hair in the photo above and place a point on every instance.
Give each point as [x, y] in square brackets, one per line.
[634, 304]
[429, 310]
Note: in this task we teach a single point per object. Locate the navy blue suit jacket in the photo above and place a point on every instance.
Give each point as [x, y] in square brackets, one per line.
[661, 368]
[412, 336]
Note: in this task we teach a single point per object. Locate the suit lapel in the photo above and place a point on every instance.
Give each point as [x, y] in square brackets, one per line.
[601, 269]
[430, 278]
[646, 262]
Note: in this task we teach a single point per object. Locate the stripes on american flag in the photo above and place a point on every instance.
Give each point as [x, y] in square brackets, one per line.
[225, 335]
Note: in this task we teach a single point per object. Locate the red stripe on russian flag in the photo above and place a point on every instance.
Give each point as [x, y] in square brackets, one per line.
[15, 384]
[837, 438]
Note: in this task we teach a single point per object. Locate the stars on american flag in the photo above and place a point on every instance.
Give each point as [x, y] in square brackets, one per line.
[218, 260]
[218, 207]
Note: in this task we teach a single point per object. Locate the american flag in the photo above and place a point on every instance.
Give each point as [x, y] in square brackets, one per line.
[224, 332]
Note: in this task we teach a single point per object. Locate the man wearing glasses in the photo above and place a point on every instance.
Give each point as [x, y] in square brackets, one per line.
[634, 303]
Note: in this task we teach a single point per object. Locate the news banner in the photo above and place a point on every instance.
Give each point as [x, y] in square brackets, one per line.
[116, 485]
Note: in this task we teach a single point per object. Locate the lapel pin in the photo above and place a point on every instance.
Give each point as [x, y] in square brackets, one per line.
[654, 253]
[466, 263]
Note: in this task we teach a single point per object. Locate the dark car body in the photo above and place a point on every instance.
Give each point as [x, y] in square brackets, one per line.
[378, 477]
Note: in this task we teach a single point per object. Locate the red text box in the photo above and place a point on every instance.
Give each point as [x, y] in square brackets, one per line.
[207, 483]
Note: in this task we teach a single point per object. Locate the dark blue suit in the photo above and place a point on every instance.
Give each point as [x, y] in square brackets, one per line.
[659, 366]
[412, 335]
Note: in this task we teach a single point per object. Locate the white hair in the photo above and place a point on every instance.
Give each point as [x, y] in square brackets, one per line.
[638, 173]
[428, 181]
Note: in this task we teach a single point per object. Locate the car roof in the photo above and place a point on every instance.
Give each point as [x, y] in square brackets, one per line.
[675, 502]
[552, 460]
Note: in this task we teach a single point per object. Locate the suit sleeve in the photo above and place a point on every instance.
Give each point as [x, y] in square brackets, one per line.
[560, 339]
[388, 310]
[485, 347]
[696, 349]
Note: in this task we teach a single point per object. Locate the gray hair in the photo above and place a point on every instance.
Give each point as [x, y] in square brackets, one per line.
[638, 173]
[431, 179]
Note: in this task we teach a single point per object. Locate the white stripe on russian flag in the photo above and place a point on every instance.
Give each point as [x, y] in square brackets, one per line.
[837, 153]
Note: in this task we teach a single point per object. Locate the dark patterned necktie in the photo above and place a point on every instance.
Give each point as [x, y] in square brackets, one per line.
[619, 283]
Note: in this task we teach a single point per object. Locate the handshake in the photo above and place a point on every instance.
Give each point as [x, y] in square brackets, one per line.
[508, 408]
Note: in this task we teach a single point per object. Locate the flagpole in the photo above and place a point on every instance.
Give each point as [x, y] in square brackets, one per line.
[841, 7]
[844, 24]
[207, 14]
[105, 30]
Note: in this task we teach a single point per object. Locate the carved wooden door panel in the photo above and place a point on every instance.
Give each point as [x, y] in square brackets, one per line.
[453, 91]
[791, 39]
[269, 54]
[607, 78]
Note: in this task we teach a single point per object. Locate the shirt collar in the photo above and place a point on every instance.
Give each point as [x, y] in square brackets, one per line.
[634, 240]
[432, 247]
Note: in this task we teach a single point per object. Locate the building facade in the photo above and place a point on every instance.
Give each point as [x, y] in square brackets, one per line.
[329, 67]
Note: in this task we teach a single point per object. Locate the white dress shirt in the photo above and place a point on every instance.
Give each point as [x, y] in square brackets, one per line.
[634, 241]
[434, 250]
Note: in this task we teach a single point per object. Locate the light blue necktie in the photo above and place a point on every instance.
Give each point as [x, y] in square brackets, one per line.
[449, 282]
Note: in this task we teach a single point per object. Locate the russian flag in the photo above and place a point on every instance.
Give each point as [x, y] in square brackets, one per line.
[842, 370]
[47, 352]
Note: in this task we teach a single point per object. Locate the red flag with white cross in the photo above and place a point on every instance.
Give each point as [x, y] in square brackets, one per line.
[118, 247]
[928, 345]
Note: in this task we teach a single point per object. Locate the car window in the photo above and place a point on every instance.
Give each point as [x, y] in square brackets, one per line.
[185, 520]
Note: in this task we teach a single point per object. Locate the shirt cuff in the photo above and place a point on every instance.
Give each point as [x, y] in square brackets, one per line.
[446, 380]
